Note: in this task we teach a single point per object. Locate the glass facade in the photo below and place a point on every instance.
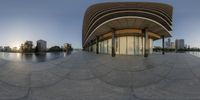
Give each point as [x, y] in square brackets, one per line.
[126, 45]
[130, 45]
[109, 46]
[94, 48]
[122, 45]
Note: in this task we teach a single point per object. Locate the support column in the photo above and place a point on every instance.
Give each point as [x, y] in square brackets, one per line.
[91, 49]
[113, 42]
[163, 45]
[97, 44]
[83, 49]
[86, 48]
[89, 46]
[146, 42]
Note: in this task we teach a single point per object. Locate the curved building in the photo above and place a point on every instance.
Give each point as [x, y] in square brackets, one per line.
[127, 28]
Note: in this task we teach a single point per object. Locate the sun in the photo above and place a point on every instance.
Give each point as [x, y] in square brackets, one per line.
[16, 44]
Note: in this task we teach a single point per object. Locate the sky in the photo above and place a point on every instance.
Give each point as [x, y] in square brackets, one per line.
[60, 21]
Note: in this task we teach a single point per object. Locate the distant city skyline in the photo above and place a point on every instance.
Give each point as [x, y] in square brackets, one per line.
[60, 21]
[35, 44]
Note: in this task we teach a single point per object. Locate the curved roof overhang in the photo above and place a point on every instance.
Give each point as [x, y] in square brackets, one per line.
[128, 22]
[101, 18]
[97, 15]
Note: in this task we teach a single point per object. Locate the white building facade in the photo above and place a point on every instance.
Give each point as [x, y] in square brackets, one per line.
[41, 45]
[180, 44]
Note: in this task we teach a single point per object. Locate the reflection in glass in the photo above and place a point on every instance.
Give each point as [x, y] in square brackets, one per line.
[130, 48]
[117, 45]
[109, 46]
[105, 48]
[126, 45]
[123, 45]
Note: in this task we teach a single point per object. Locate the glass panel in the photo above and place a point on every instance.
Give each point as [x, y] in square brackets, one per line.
[94, 48]
[109, 46]
[101, 47]
[151, 45]
[105, 46]
[122, 45]
[117, 45]
[130, 45]
[143, 46]
[140, 45]
[136, 45]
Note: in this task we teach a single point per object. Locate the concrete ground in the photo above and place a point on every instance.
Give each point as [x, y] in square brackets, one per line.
[87, 76]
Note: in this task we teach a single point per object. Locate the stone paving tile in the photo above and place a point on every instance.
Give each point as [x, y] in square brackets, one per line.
[81, 90]
[100, 70]
[80, 74]
[88, 76]
[41, 66]
[161, 71]
[43, 78]
[10, 92]
[170, 90]
[2, 61]
[59, 71]
[180, 73]
[118, 78]
[144, 78]
[15, 74]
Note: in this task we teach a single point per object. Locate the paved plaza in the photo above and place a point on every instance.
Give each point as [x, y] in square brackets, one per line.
[88, 76]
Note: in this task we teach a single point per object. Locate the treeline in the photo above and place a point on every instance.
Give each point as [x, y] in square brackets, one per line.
[35, 50]
[158, 49]
[59, 49]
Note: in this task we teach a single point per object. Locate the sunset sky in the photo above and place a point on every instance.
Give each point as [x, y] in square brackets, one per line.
[60, 21]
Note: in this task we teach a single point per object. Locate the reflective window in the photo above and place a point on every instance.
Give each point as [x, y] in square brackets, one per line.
[105, 46]
[94, 48]
[122, 45]
[101, 47]
[136, 45]
[117, 45]
[151, 45]
[143, 45]
[140, 45]
[130, 45]
[109, 46]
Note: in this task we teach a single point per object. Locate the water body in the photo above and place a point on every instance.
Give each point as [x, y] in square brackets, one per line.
[32, 57]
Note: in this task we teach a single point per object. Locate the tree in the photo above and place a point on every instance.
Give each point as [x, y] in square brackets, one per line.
[55, 49]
